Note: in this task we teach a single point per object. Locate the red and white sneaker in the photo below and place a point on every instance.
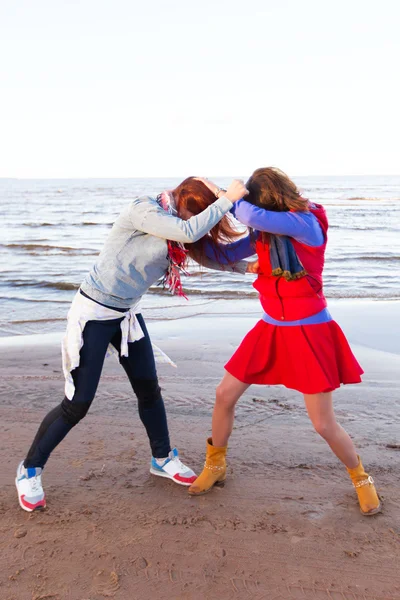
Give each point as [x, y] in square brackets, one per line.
[173, 468]
[29, 487]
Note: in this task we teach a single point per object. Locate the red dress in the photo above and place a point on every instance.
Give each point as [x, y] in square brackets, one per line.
[308, 358]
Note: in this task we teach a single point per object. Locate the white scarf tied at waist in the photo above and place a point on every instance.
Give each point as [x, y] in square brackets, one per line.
[83, 310]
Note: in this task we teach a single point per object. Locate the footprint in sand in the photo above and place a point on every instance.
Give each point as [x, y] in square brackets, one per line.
[106, 583]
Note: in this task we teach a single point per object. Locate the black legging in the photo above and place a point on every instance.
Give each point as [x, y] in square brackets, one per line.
[141, 370]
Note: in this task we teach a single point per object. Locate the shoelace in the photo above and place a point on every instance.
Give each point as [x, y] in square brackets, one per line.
[181, 467]
[35, 483]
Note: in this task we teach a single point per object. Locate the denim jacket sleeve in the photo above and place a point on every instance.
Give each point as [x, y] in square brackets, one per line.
[146, 215]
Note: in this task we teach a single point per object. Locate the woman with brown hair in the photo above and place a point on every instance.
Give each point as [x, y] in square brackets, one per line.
[297, 343]
[150, 240]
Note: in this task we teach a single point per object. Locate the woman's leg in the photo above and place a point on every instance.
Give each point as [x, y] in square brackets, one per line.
[141, 370]
[320, 411]
[227, 394]
[214, 472]
[61, 419]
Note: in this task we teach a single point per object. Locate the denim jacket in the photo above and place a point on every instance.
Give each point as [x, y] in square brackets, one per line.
[135, 254]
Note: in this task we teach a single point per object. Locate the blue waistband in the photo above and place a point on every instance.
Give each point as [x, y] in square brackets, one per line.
[323, 316]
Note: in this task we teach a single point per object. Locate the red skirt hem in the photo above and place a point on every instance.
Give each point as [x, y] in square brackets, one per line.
[311, 359]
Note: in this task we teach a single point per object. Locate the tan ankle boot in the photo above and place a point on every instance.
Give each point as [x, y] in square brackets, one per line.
[214, 472]
[366, 492]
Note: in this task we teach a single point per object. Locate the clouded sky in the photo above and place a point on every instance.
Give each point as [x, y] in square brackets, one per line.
[127, 88]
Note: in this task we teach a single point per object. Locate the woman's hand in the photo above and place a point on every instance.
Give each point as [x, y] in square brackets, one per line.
[253, 267]
[236, 191]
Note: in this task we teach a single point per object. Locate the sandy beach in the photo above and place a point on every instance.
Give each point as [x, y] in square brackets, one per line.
[286, 525]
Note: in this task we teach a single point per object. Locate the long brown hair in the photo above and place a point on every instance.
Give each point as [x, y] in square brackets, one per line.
[194, 196]
[272, 189]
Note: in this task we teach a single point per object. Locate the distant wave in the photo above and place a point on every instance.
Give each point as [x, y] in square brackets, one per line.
[56, 285]
[373, 199]
[42, 224]
[35, 248]
[35, 300]
[367, 293]
[365, 257]
[94, 223]
[72, 224]
[215, 294]
[364, 228]
[328, 188]
[22, 321]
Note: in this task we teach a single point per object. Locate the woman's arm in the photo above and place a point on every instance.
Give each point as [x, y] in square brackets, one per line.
[239, 267]
[229, 257]
[234, 252]
[301, 226]
[146, 215]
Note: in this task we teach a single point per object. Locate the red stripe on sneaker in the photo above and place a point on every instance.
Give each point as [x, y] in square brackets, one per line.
[40, 504]
[185, 479]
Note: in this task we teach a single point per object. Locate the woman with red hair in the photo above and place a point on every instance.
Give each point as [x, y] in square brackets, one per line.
[297, 343]
[150, 240]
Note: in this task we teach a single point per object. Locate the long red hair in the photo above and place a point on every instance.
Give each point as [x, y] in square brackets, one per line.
[194, 196]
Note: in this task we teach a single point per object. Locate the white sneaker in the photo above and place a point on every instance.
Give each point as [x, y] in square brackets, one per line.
[29, 487]
[174, 469]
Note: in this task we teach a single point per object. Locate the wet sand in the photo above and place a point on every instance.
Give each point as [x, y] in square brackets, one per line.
[286, 525]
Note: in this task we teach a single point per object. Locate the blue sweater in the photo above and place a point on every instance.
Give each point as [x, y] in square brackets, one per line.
[231, 253]
[301, 226]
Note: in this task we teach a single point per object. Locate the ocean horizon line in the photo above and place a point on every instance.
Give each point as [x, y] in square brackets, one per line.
[146, 177]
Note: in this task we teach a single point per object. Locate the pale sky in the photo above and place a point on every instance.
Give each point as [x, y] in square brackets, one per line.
[127, 88]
